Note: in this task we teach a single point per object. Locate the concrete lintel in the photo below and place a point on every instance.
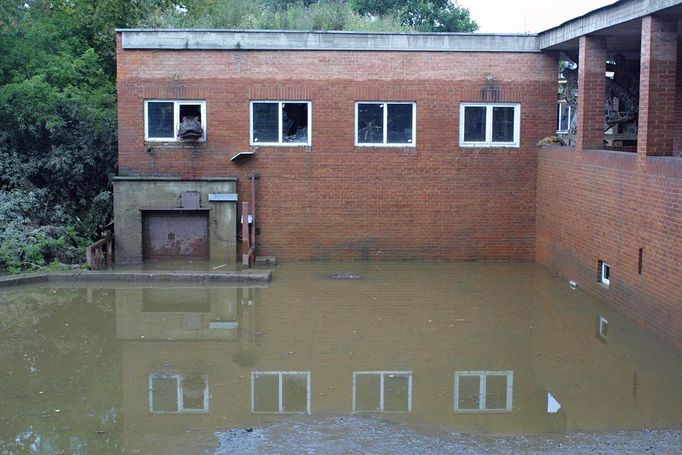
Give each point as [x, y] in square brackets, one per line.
[617, 13]
[174, 179]
[179, 39]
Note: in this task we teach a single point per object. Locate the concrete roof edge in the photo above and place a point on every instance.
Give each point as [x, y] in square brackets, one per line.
[616, 13]
[201, 39]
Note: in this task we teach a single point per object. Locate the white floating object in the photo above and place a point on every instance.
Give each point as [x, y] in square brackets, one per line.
[572, 284]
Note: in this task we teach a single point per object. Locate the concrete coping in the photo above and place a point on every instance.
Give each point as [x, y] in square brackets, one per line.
[138, 278]
[206, 39]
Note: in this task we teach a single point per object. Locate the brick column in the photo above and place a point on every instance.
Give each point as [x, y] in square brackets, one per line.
[657, 86]
[591, 93]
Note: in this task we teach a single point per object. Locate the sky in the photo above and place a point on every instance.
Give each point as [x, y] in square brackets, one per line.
[524, 16]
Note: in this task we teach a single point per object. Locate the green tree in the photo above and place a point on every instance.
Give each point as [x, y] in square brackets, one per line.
[422, 15]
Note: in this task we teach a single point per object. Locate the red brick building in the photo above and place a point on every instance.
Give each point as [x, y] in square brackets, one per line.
[409, 146]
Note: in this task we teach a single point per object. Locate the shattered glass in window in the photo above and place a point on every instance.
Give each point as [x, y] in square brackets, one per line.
[370, 123]
[399, 119]
[295, 122]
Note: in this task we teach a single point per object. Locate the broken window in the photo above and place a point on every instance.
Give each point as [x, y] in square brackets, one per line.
[174, 120]
[489, 125]
[280, 122]
[379, 123]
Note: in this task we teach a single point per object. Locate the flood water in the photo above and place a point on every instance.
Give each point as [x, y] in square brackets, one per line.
[498, 349]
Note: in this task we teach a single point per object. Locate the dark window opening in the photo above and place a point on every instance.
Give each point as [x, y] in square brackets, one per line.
[503, 124]
[604, 273]
[189, 111]
[641, 260]
[265, 122]
[474, 123]
[295, 122]
[399, 123]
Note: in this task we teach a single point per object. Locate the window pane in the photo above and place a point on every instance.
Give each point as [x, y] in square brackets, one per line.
[564, 119]
[399, 124]
[265, 122]
[160, 119]
[370, 124]
[367, 392]
[295, 393]
[396, 393]
[164, 395]
[469, 389]
[503, 124]
[295, 122]
[496, 392]
[474, 123]
[266, 393]
[193, 390]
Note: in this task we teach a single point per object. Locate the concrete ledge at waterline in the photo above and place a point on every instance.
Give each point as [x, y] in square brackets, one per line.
[82, 276]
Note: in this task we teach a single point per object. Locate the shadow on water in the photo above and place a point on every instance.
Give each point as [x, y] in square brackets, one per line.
[494, 349]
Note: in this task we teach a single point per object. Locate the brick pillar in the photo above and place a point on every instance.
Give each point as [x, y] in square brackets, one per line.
[591, 93]
[657, 86]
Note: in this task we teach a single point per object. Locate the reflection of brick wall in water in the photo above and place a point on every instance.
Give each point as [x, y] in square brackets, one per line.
[332, 199]
[599, 206]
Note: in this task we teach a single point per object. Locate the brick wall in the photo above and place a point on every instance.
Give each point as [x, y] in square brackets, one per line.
[600, 205]
[332, 199]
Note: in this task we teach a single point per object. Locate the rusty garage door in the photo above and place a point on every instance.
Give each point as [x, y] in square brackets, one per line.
[175, 234]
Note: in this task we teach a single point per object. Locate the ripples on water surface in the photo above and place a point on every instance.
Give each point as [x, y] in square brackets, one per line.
[500, 349]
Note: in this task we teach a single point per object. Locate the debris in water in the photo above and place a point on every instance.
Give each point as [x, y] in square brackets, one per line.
[572, 284]
[343, 276]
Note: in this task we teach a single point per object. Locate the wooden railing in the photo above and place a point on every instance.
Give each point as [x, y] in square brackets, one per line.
[100, 253]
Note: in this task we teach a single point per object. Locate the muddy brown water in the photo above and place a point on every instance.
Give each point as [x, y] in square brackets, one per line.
[502, 350]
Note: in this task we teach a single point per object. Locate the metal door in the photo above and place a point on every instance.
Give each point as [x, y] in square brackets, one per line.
[173, 234]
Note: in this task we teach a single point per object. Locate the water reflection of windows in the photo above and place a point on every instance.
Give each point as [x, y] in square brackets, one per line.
[382, 391]
[483, 391]
[178, 394]
[282, 392]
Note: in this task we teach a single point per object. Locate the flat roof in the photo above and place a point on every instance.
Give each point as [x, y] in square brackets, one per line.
[177, 39]
[621, 15]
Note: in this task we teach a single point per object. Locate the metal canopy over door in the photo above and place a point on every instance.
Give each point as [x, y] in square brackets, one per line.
[170, 234]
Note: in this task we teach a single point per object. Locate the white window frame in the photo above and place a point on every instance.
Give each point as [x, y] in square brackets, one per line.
[280, 375]
[382, 375]
[489, 125]
[482, 391]
[179, 394]
[604, 267]
[280, 142]
[176, 119]
[385, 143]
[568, 128]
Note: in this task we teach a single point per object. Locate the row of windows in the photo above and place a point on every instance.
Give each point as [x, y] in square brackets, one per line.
[376, 123]
[288, 392]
